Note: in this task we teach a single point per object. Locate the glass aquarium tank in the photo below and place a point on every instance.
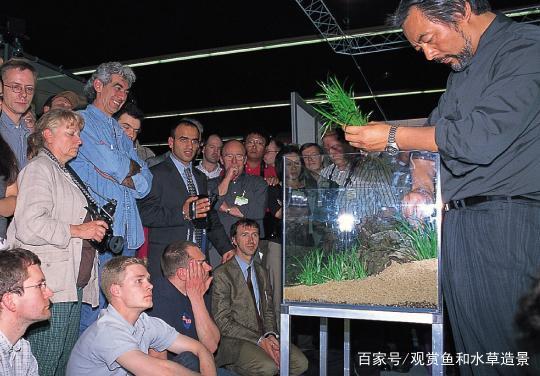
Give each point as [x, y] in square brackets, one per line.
[363, 231]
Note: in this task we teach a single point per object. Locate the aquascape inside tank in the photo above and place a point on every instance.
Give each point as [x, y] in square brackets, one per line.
[363, 231]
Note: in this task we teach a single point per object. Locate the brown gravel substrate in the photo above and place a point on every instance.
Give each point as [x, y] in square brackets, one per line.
[413, 284]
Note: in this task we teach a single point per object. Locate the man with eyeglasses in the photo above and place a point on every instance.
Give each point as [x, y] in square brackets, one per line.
[19, 85]
[181, 299]
[108, 164]
[178, 207]
[130, 118]
[24, 300]
[240, 195]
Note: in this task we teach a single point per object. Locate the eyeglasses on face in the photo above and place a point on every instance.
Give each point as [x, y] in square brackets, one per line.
[17, 88]
[230, 157]
[19, 290]
[42, 286]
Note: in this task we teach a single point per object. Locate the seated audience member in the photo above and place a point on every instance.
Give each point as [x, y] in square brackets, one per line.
[175, 187]
[130, 118]
[24, 300]
[239, 195]
[51, 220]
[8, 188]
[181, 299]
[211, 152]
[244, 311]
[119, 341]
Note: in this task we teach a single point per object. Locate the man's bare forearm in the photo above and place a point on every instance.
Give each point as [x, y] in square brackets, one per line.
[207, 330]
[416, 138]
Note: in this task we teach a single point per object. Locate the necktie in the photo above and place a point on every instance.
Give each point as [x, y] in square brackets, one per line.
[193, 192]
[252, 292]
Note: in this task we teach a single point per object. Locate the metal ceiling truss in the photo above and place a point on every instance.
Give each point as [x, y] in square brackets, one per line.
[377, 39]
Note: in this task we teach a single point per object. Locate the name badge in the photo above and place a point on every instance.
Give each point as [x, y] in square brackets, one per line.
[241, 200]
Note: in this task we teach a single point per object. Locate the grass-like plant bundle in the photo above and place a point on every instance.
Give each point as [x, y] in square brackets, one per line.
[338, 107]
[318, 267]
[423, 238]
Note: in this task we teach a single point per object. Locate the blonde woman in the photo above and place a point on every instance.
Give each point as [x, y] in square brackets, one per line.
[51, 220]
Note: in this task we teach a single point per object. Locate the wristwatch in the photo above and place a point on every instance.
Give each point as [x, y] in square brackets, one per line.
[392, 146]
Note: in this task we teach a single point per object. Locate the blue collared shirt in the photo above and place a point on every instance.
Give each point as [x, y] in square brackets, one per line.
[244, 265]
[181, 167]
[15, 135]
[107, 149]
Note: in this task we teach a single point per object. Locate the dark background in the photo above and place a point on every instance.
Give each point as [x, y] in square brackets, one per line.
[83, 34]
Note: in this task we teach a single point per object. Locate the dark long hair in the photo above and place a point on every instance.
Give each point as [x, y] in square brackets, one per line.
[304, 175]
[8, 163]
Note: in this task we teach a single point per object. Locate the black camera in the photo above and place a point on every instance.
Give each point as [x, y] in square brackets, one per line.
[201, 223]
[110, 242]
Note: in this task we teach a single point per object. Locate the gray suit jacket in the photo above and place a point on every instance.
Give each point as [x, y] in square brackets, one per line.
[234, 310]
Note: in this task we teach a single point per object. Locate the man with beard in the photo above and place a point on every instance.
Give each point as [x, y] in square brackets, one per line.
[24, 300]
[486, 129]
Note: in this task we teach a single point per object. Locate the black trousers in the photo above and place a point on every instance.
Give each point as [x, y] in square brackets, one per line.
[490, 253]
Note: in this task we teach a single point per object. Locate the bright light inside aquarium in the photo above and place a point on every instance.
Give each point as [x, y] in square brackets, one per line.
[420, 211]
[345, 222]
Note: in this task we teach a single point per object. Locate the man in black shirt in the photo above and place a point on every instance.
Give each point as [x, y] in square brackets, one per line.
[180, 299]
[486, 129]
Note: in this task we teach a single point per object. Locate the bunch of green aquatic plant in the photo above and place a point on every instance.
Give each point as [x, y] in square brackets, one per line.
[338, 107]
[422, 236]
[318, 267]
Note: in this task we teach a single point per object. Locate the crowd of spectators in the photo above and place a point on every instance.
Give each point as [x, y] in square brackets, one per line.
[77, 187]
